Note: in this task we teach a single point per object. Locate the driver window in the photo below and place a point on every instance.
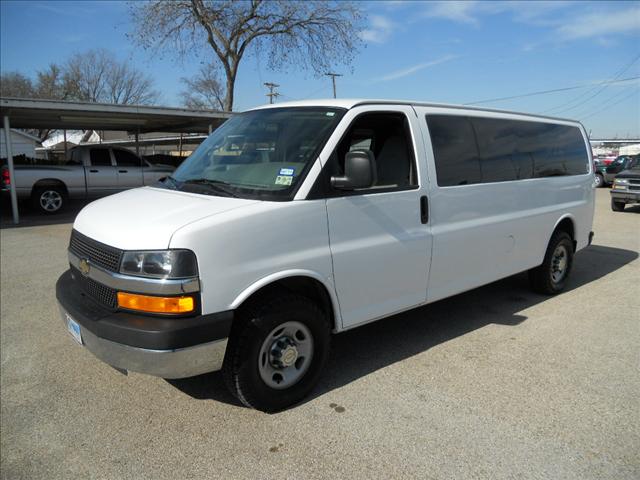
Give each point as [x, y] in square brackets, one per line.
[387, 136]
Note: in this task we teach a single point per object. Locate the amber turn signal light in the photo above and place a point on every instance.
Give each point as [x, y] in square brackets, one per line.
[146, 303]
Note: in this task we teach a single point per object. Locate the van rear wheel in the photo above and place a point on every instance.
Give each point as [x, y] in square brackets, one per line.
[550, 278]
[276, 352]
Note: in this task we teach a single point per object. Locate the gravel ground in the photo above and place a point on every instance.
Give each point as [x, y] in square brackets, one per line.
[494, 383]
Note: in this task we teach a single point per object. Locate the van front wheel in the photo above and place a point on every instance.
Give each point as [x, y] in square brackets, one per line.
[550, 277]
[276, 352]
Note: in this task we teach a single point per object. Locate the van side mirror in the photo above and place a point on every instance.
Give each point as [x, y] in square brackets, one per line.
[359, 171]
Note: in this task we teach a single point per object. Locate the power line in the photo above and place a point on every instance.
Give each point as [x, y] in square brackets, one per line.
[543, 92]
[603, 86]
[634, 92]
[598, 105]
[617, 75]
[333, 79]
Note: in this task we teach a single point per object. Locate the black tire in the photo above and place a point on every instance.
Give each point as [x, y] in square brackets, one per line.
[251, 330]
[545, 279]
[599, 181]
[617, 206]
[49, 200]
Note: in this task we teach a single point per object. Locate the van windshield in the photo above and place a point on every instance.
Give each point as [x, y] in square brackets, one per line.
[258, 154]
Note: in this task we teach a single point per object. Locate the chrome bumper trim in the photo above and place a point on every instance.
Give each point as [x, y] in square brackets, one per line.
[179, 363]
[129, 283]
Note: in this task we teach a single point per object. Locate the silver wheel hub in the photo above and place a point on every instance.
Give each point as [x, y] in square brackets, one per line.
[285, 355]
[50, 200]
[559, 262]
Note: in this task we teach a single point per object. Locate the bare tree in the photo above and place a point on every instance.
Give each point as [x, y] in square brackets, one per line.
[14, 84]
[312, 34]
[97, 76]
[204, 90]
[48, 85]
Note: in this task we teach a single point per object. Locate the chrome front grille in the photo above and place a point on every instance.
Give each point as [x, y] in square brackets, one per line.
[97, 253]
[102, 294]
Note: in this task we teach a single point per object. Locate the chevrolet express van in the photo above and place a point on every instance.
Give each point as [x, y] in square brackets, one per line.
[293, 222]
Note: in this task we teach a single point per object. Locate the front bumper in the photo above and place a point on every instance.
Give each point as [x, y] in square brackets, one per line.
[162, 346]
[625, 196]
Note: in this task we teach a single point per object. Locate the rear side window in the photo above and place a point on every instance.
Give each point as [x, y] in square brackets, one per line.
[455, 150]
[508, 149]
[100, 157]
[125, 158]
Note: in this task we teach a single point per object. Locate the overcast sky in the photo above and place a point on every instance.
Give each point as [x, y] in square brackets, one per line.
[454, 52]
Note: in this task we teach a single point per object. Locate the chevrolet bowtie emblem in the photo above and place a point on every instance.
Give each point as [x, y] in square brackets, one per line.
[84, 266]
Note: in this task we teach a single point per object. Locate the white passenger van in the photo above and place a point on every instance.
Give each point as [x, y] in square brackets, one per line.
[293, 222]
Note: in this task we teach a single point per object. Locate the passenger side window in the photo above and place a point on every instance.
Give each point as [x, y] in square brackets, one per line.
[100, 157]
[387, 135]
[501, 158]
[125, 158]
[455, 149]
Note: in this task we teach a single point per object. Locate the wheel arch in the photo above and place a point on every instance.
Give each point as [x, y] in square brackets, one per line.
[49, 182]
[304, 282]
[566, 223]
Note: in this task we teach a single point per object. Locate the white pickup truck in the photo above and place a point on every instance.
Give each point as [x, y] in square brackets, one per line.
[91, 171]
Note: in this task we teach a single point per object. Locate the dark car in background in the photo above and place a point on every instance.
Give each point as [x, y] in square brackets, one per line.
[599, 170]
[626, 188]
[606, 174]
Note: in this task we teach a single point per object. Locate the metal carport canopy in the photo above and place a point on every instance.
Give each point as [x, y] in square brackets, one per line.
[53, 114]
[57, 115]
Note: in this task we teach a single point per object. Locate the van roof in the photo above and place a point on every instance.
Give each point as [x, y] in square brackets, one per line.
[353, 102]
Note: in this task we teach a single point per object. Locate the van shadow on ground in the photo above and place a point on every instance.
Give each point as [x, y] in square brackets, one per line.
[364, 350]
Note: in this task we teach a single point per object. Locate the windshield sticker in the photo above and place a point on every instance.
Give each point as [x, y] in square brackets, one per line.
[283, 180]
[287, 171]
[330, 114]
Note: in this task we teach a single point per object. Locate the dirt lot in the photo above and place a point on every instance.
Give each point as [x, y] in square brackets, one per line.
[495, 383]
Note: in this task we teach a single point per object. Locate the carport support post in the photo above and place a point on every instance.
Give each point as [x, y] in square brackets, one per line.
[137, 144]
[12, 177]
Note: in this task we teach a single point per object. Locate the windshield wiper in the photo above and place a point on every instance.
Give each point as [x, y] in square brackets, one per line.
[217, 185]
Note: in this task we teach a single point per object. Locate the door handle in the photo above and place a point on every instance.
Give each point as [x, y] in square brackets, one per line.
[123, 171]
[424, 209]
[94, 171]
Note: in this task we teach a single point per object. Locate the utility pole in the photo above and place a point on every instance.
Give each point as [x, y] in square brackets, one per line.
[333, 79]
[272, 94]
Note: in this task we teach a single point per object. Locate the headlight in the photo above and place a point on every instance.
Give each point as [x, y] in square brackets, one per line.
[622, 181]
[160, 264]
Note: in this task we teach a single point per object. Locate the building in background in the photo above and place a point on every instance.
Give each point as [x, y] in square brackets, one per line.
[629, 149]
[22, 144]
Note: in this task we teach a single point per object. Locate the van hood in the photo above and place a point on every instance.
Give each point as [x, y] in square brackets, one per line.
[146, 218]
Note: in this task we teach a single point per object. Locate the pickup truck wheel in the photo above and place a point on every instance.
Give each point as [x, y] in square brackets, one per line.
[49, 199]
[617, 206]
[550, 277]
[599, 181]
[276, 352]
